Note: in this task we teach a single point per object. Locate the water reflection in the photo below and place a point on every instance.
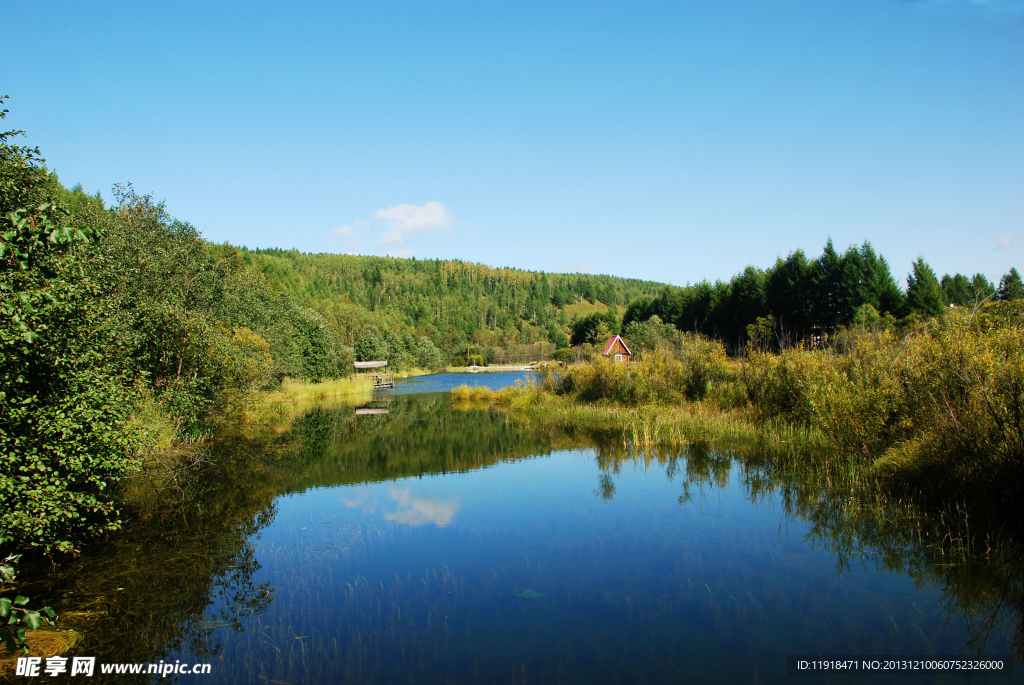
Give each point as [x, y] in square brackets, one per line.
[407, 507]
[437, 545]
[416, 510]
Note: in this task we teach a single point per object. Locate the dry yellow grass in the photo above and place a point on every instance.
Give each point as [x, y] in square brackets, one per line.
[464, 393]
[44, 643]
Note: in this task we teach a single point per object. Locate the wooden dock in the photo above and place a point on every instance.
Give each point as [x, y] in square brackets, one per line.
[381, 379]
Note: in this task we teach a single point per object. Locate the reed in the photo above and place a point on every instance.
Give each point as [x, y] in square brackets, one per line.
[943, 404]
[696, 371]
[465, 393]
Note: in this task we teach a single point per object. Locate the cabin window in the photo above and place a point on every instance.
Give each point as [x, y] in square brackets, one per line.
[618, 357]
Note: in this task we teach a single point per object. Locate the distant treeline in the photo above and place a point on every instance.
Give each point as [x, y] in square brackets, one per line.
[798, 298]
[451, 302]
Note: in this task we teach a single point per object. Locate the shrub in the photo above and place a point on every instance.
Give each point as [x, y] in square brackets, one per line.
[947, 399]
[849, 394]
[965, 401]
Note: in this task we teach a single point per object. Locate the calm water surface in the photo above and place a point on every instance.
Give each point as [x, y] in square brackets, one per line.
[439, 544]
[444, 382]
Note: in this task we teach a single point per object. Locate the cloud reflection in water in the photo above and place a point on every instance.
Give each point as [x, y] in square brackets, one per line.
[416, 510]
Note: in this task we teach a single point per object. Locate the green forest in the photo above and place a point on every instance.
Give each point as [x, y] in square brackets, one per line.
[450, 302]
[122, 327]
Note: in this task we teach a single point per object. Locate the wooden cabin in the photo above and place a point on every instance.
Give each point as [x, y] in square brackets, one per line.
[616, 348]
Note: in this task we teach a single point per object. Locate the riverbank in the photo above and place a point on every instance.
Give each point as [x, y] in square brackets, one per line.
[413, 373]
[497, 368]
[297, 396]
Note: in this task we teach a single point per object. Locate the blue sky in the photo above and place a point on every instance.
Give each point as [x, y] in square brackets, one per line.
[668, 141]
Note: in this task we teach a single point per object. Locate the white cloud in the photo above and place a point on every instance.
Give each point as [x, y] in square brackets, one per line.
[405, 220]
[351, 233]
[416, 510]
[1004, 242]
[404, 254]
[352, 229]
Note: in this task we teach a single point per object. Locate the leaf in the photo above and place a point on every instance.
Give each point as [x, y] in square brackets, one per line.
[7, 574]
[34, 620]
[21, 600]
[50, 612]
[5, 607]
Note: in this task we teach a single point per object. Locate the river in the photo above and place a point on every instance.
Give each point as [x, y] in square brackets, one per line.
[424, 542]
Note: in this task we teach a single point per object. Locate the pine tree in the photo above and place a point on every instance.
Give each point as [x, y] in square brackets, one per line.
[1011, 287]
[924, 294]
[958, 290]
[982, 287]
[789, 286]
[828, 287]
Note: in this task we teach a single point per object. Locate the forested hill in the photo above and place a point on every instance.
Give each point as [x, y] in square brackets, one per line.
[451, 302]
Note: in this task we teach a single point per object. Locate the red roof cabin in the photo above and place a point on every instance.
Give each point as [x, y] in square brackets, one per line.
[617, 349]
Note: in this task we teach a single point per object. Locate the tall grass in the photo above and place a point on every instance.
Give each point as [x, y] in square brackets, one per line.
[465, 393]
[301, 391]
[943, 401]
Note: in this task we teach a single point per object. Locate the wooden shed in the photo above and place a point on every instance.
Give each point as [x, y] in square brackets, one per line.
[616, 348]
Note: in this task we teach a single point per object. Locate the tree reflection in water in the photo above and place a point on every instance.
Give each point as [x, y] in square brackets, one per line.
[182, 570]
[970, 551]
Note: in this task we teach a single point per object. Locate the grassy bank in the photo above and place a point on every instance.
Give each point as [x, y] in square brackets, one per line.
[412, 373]
[270, 410]
[304, 391]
